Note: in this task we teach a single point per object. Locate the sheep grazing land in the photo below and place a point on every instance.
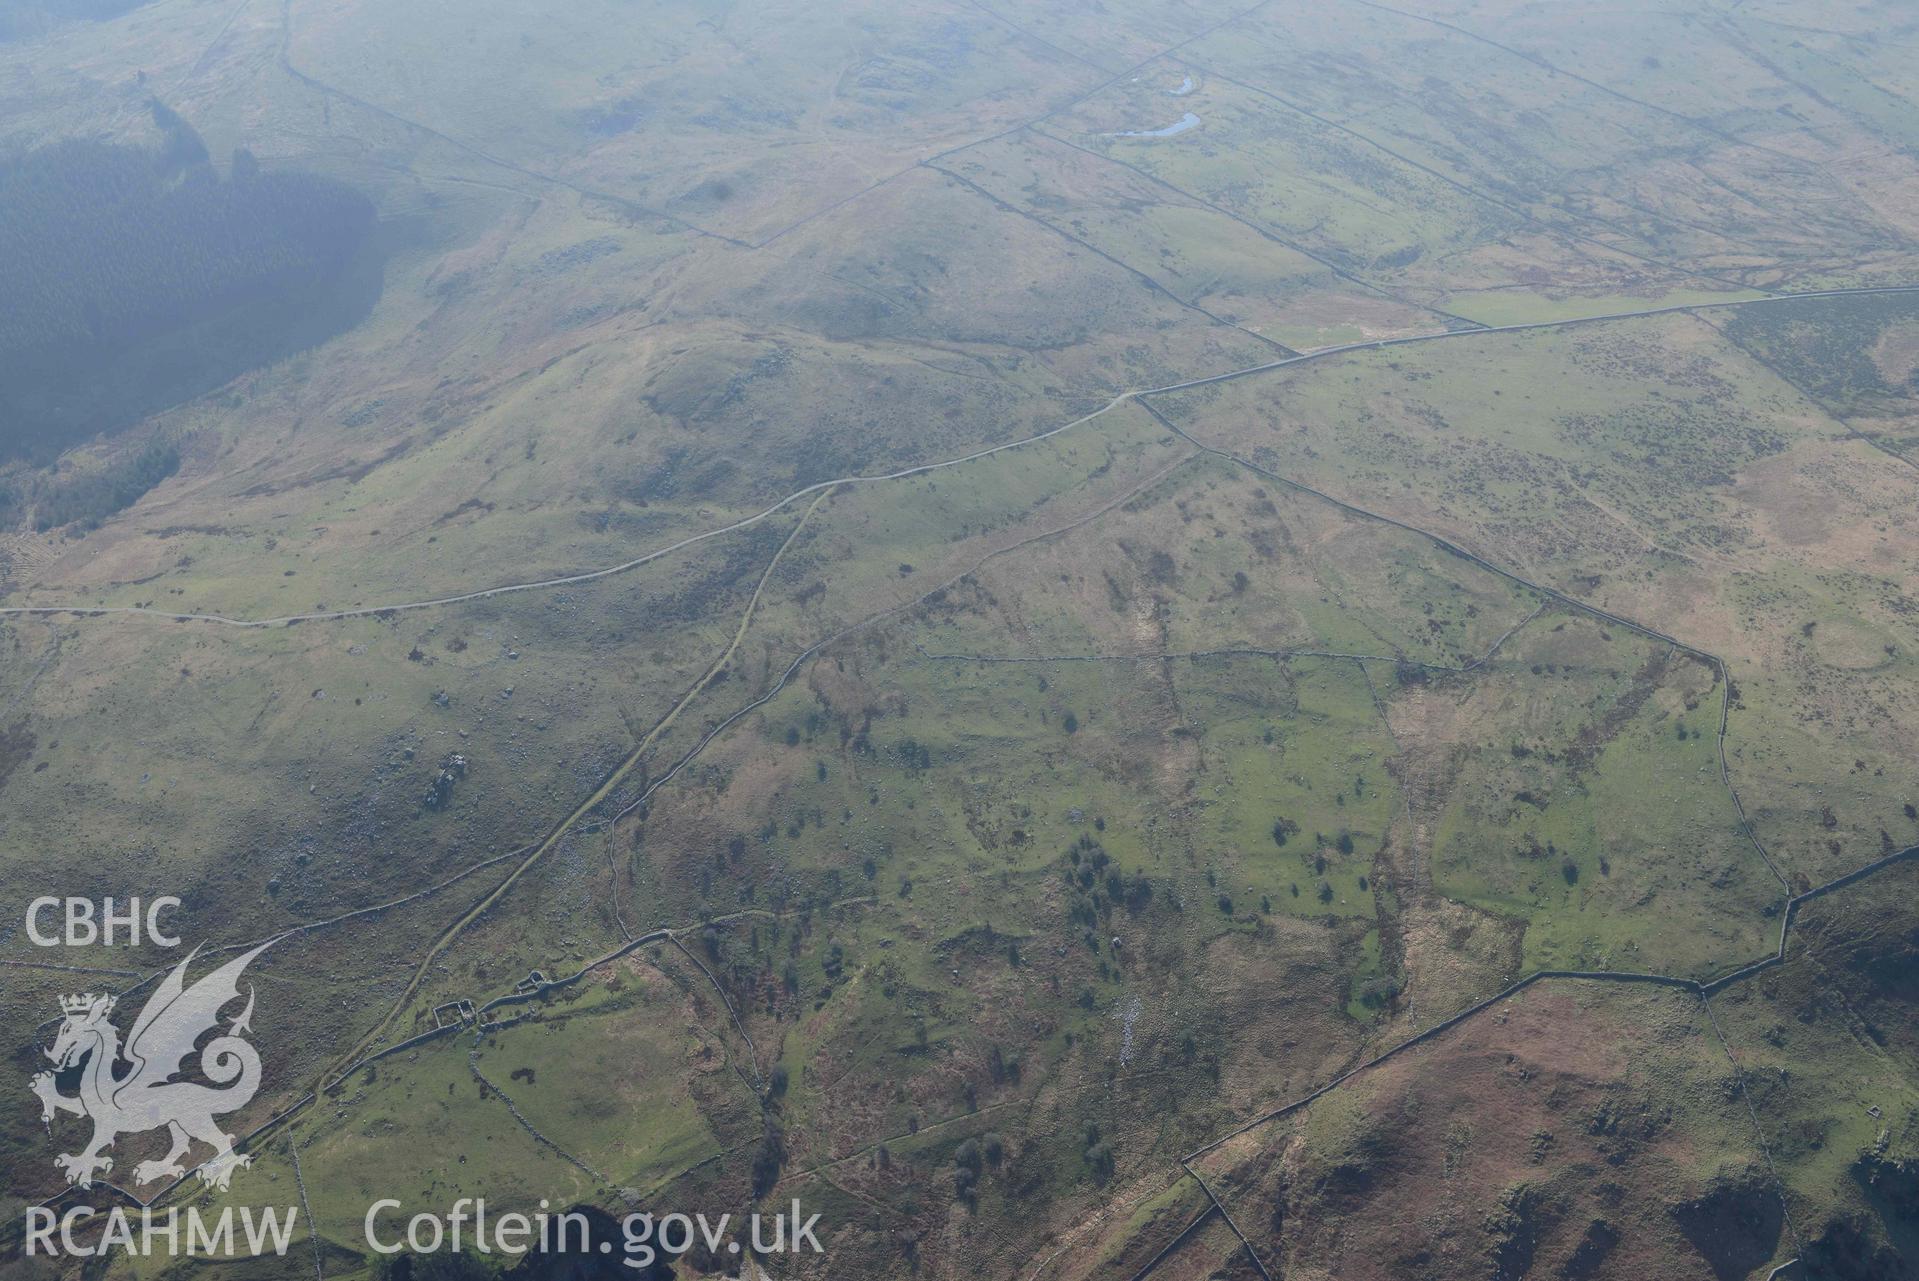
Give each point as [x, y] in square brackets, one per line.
[1154, 640]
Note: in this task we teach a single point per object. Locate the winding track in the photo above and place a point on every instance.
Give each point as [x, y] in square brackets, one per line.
[822, 489]
[746, 522]
[605, 789]
[1703, 990]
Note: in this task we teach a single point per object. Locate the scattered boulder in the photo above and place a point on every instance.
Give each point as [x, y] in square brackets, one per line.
[1514, 1229]
[452, 770]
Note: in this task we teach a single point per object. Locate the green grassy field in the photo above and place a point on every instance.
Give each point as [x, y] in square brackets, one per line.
[1025, 823]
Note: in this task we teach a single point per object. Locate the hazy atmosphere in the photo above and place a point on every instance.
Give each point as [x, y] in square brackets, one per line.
[1153, 640]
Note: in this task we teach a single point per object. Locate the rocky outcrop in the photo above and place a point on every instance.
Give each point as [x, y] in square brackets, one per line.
[1735, 1226]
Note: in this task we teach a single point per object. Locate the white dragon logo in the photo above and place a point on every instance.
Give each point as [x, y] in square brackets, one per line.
[133, 1091]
